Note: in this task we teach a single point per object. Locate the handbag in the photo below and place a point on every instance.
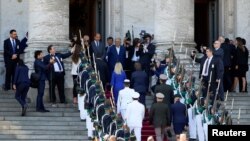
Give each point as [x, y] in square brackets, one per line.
[34, 80]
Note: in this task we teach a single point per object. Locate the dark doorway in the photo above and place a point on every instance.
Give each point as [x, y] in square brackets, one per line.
[88, 16]
[206, 22]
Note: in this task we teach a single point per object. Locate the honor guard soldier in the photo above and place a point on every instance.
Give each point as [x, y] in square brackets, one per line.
[160, 117]
[124, 98]
[135, 115]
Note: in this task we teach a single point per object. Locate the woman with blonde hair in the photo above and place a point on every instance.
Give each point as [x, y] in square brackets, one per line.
[117, 79]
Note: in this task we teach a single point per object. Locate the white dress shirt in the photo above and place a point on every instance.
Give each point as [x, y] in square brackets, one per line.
[204, 73]
[56, 65]
[117, 50]
[135, 58]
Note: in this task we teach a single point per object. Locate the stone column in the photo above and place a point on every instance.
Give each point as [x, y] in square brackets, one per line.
[174, 24]
[174, 18]
[229, 19]
[48, 24]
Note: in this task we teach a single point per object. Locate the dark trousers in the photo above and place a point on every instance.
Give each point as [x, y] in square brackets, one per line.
[39, 99]
[227, 79]
[9, 75]
[75, 86]
[57, 80]
[142, 97]
[21, 93]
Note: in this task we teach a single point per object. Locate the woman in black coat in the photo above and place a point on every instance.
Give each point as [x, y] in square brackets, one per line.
[241, 65]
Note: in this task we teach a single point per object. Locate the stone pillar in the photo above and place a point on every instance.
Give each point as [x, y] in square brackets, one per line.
[174, 18]
[229, 19]
[48, 24]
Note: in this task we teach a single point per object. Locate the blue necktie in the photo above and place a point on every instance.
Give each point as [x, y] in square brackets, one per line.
[14, 46]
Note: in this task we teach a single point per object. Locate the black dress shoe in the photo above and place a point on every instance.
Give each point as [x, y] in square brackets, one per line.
[42, 111]
[22, 113]
[46, 110]
[24, 110]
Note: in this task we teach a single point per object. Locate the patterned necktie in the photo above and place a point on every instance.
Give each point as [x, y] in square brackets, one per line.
[206, 66]
[59, 64]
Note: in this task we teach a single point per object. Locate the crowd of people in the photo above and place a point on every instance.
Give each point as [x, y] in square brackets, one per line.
[111, 83]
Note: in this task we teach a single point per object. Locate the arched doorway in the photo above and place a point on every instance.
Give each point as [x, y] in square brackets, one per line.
[87, 15]
[206, 22]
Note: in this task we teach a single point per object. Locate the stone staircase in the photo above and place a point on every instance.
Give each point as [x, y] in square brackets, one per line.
[241, 100]
[61, 123]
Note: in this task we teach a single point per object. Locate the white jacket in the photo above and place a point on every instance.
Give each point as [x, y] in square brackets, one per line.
[124, 98]
[135, 114]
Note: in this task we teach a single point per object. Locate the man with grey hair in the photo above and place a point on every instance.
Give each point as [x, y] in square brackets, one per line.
[116, 53]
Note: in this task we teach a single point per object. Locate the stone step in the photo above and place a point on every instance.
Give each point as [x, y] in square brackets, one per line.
[245, 103]
[33, 109]
[43, 137]
[243, 111]
[57, 128]
[235, 122]
[242, 116]
[44, 123]
[57, 119]
[39, 114]
[40, 140]
[6, 96]
[47, 105]
[42, 132]
[8, 100]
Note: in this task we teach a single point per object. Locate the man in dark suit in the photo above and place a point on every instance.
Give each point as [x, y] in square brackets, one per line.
[215, 66]
[166, 90]
[128, 61]
[41, 68]
[179, 115]
[98, 46]
[139, 81]
[11, 56]
[147, 51]
[218, 51]
[103, 69]
[116, 53]
[56, 74]
[228, 54]
[160, 117]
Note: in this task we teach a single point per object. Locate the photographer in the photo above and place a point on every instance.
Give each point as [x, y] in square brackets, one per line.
[146, 52]
[134, 53]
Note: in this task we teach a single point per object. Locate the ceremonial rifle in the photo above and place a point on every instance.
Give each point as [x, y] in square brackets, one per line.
[199, 92]
[208, 90]
[82, 43]
[215, 98]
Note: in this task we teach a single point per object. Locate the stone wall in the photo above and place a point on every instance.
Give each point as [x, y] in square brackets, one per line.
[13, 15]
[243, 23]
